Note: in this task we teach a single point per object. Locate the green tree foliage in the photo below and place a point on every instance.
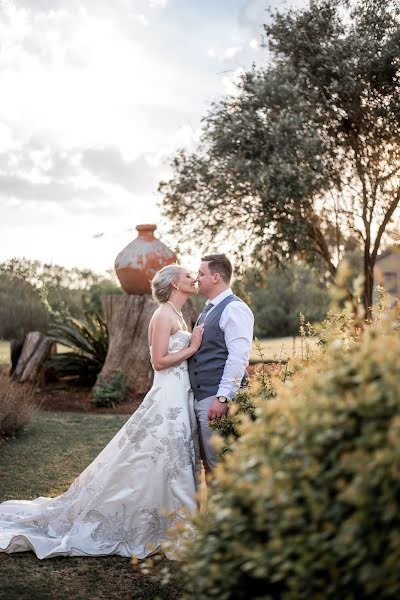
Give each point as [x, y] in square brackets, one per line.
[21, 308]
[278, 297]
[33, 293]
[308, 152]
[307, 503]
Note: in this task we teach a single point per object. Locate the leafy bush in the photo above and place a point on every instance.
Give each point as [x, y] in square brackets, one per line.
[16, 406]
[111, 391]
[307, 503]
[88, 341]
[228, 427]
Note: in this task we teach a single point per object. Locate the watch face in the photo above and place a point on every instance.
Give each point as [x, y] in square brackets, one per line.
[222, 398]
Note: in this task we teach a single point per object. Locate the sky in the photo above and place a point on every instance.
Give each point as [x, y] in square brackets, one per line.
[96, 97]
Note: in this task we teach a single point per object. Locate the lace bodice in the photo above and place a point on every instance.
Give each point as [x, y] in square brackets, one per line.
[178, 341]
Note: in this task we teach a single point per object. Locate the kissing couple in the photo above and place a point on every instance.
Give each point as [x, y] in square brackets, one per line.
[145, 479]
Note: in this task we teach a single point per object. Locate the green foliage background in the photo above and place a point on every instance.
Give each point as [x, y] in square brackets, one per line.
[33, 294]
[279, 296]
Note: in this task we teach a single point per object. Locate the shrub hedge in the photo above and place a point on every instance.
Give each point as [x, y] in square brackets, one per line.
[307, 503]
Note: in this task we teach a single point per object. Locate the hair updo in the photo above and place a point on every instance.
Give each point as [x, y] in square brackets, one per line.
[161, 284]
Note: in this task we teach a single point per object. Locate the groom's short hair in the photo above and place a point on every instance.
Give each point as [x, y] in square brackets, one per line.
[219, 263]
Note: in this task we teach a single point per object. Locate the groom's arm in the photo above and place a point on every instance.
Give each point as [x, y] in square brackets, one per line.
[237, 323]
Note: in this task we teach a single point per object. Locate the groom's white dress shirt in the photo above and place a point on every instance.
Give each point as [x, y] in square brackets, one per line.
[237, 323]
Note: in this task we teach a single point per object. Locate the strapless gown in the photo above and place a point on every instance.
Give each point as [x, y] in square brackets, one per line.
[125, 501]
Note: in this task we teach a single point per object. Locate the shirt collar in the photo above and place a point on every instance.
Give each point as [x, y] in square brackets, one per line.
[220, 297]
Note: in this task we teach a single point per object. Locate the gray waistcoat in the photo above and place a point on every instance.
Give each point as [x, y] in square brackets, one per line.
[207, 365]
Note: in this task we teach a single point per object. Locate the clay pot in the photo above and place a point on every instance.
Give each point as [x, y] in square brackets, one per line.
[137, 264]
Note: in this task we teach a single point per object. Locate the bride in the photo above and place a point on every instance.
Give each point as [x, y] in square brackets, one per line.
[145, 479]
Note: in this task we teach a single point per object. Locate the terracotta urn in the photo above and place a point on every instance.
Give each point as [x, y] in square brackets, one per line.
[136, 264]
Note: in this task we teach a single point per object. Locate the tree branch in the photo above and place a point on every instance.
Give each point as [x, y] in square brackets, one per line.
[322, 247]
[389, 213]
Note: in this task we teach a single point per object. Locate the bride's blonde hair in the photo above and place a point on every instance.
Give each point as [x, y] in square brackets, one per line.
[161, 284]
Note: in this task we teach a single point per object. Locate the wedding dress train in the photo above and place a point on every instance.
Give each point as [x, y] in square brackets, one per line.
[127, 498]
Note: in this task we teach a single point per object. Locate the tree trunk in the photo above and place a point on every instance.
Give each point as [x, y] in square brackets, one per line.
[368, 286]
[127, 318]
[36, 350]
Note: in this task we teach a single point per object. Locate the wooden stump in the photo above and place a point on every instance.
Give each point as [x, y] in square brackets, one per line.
[36, 350]
[15, 352]
[127, 319]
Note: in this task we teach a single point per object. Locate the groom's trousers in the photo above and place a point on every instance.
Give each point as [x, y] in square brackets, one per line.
[209, 453]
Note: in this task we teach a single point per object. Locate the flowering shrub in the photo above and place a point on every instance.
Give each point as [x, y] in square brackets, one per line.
[307, 502]
[228, 427]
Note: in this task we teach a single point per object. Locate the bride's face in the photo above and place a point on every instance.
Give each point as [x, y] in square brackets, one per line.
[186, 282]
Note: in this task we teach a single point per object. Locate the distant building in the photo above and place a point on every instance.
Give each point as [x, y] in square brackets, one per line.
[387, 271]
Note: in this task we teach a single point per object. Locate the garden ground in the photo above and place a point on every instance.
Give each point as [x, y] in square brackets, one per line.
[43, 461]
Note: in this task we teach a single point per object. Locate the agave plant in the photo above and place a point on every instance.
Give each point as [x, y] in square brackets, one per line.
[88, 341]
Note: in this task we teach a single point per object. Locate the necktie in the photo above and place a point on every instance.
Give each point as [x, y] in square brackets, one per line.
[204, 312]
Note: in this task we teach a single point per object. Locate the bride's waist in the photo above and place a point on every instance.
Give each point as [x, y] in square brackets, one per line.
[179, 368]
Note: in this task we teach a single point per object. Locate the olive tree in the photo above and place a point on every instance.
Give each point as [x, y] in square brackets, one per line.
[307, 153]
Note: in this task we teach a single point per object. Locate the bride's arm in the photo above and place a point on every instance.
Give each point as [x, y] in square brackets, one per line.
[160, 340]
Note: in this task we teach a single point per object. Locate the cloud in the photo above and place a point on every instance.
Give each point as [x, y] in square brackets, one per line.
[226, 53]
[96, 98]
[80, 179]
[140, 18]
[137, 176]
[232, 51]
[24, 189]
[158, 3]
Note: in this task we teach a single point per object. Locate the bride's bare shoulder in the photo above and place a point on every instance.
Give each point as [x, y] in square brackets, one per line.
[161, 314]
[161, 319]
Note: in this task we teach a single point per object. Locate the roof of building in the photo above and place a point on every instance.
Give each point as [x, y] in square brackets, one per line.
[392, 250]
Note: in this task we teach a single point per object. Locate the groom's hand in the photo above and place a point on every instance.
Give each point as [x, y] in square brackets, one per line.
[217, 409]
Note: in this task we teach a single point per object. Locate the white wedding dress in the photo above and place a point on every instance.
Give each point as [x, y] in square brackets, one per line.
[125, 501]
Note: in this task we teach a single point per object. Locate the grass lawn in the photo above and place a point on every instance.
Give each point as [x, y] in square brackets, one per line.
[43, 461]
[279, 348]
[272, 348]
[4, 352]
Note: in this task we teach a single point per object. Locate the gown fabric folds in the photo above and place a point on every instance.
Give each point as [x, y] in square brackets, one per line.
[124, 502]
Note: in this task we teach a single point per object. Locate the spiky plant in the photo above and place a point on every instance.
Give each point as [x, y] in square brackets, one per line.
[88, 341]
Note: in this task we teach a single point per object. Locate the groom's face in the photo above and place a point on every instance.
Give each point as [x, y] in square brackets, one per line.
[205, 279]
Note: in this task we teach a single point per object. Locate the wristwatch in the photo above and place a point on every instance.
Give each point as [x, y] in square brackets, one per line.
[222, 399]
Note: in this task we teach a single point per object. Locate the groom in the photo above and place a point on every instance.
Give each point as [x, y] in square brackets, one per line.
[218, 368]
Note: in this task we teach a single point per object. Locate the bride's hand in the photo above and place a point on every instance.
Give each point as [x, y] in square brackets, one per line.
[197, 336]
